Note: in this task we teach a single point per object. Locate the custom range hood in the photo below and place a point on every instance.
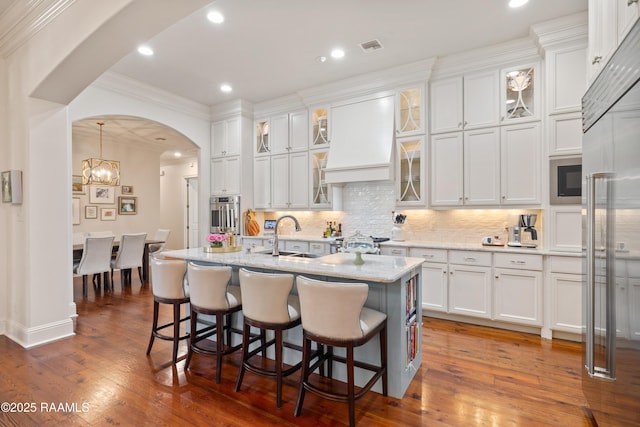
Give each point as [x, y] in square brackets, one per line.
[361, 141]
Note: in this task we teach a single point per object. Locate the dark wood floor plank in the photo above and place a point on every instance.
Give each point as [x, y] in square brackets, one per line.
[470, 376]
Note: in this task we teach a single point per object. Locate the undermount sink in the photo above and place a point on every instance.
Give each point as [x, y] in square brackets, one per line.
[291, 254]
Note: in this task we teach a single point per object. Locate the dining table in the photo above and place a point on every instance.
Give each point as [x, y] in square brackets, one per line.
[79, 247]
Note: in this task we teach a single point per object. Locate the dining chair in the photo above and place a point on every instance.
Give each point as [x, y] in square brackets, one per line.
[78, 239]
[129, 256]
[96, 259]
[96, 277]
[333, 315]
[162, 234]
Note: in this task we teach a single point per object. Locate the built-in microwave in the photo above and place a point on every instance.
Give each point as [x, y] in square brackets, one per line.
[565, 181]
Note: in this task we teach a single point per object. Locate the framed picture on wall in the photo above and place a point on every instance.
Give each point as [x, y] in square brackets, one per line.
[108, 214]
[102, 194]
[127, 189]
[76, 184]
[75, 209]
[127, 205]
[91, 212]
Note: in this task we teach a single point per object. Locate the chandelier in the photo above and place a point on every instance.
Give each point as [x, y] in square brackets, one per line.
[100, 171]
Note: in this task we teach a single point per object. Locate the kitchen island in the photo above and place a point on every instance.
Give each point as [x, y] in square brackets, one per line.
[394, 289]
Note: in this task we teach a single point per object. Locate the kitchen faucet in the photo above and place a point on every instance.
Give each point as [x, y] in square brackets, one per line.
[276, 252]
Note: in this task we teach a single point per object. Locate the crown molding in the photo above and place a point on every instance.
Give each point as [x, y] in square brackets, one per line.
[118, 83]
[369, 83]
[24, 18]
[231, 109]
[558, 33]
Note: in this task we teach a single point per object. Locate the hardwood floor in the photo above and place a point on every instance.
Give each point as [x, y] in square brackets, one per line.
[470, 376]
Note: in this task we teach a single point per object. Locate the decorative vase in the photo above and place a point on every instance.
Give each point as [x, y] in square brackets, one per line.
[396, 233]
[358, 260]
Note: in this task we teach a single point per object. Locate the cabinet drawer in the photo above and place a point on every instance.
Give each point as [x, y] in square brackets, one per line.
[393, 251]
[296, 245]
[318, 248]
[431, 255]
[470, 258]
[564, 264]
[520, 261]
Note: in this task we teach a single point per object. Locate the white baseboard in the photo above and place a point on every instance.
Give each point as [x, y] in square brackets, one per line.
[37, 335]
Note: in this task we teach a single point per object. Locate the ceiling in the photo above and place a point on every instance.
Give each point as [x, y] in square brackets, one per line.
[266, 49]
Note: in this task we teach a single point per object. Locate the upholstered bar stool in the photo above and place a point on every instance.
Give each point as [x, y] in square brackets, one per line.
[267, 304]
[333, 314]
[168, 285]
[211, 292]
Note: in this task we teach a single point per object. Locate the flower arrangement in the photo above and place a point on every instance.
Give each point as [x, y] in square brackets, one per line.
[217, 240]
[398, 218]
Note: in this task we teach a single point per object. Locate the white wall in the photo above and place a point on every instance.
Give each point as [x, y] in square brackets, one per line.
[139, 169]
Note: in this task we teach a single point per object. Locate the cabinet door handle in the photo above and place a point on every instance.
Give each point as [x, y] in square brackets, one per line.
[427, 255]
[596, 60]
[497, 276]
[469, 258]
[444, 271]
[517, 261]
[630, 2]
[459, 124]
[396, 251]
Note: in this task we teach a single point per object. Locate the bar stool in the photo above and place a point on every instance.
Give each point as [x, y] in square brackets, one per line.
[210, 292]
[268, 305]
[333, 314]
[168, 285]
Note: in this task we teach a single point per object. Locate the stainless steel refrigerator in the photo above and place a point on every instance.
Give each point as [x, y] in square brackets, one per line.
[611, 239]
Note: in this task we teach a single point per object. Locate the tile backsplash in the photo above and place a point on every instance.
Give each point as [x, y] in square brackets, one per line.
[368, 207]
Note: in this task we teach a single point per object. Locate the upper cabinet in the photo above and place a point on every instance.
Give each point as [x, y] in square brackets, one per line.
[609, 23]
[520, 94]
[410, 112]
[320, 196]
[409, 171]
[261, 143]
[319, 131]
[467, 102]
[225, 138]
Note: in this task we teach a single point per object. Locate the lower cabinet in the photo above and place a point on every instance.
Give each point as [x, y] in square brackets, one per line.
[566, 293]
[435, 281]
[470, 290]
[517, 288]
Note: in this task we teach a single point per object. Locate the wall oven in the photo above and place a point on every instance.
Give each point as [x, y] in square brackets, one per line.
[565, 181]
[225, 215]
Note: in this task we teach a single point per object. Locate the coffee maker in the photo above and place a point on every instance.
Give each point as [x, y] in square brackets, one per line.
[526, 223]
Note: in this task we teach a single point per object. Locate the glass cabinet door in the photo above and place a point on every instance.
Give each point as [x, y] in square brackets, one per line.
[410, 171]
[519, 93]
[410, 112]
[319, 188]
[319, 127]
[262, 137]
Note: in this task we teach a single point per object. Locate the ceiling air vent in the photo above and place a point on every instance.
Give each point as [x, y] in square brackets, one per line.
[371, 45]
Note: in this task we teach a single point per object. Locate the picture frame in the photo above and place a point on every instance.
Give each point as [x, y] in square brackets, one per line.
[102, 194]
[11, 183]
[91, 212]
[127, 189]
[75, 209]
[76, 184]
[127, 205]
[107, 214]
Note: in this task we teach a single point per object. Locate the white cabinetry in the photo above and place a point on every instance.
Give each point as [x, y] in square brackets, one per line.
[566, 293]
[565, 134]
[435, 281]
[282, 142]
[466, 102]
[517, 293]
[609, 20]
[225, 175]
[226, 138]
[409, 171]
[470, 283]
[520, 163]
[520, 89]
[320, 191]
[465, 168]
[296, 246]
[393, 250]
[319, 248]
[628, 13]
[319, 121]
[410, 111]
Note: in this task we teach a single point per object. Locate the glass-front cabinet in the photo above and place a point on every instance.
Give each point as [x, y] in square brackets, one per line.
[262, 137]
[319, 121]
[410, 111]
[409, 175]
[520, 94]
[320, 190]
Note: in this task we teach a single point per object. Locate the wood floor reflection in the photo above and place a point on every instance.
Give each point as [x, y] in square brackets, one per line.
[470, 376]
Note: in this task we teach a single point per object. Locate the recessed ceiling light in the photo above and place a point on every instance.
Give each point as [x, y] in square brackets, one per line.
[321, 59]
[226, 88]
[337, 53]
[517, 3]
[215, 17]
[145, 50]
[177, 154]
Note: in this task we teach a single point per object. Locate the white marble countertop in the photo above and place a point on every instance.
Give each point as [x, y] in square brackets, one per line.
[376, 268]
